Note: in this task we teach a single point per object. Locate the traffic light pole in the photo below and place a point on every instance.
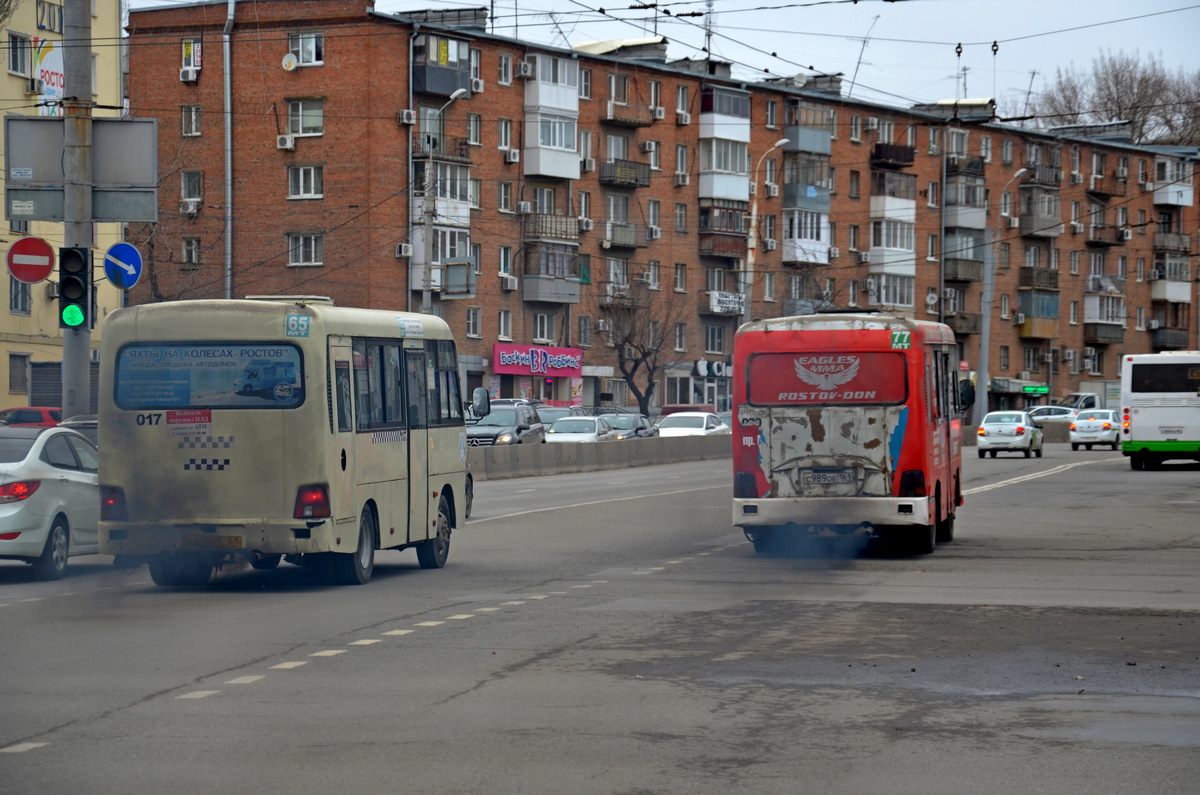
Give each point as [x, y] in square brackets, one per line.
[77, 191]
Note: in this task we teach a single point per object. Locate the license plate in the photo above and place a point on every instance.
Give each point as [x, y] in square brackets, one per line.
[212, 542]
[827, 478]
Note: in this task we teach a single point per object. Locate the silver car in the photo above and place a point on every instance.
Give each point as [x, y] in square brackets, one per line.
[1009, 430]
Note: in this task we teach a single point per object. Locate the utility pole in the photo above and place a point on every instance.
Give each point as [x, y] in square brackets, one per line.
[77, 192]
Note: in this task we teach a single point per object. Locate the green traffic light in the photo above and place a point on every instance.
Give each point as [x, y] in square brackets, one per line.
[72, 316]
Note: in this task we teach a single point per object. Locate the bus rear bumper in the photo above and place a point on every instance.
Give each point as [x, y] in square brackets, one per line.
[137, 539]
[833, 512]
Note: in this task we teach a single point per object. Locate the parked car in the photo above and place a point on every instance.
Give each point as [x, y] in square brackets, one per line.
[632, 426]
[581, 429]
[516, 402]
[675, 408]
[506, 424]
[33, 415]
[692, 423]
[85, 424]
[1009, 430]
[49, 497]
[548, 414]
[1052, 414]
[1096, 426]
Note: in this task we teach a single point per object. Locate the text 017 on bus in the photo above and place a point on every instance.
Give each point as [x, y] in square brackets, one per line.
[272, 430]
[847, 425]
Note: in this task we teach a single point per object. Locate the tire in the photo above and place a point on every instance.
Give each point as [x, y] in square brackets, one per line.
[1075, 446]
[266, 562]
[1038, 452]
[432, 552]
[172, 570]
[355, 568]
[992, 453]
[1116, 446]
[1087, 447]
[53, 562]
[764, 541]
[924, 540]
[470, 495]
[1028, 452]
[1136, 462]
[945, 531]
[982, 453]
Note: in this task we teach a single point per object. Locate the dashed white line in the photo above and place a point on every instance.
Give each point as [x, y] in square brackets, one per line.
[514, 604]
[537, 597]
[1034, 476]
[460, 617]
[581, 586]
[430, 623]
[288, 665]
[199, 694]
[365, 642]
[21, 748]
[673, 562]
[34, 599]
[400, 632]
[328, 653]
[487, 609]
[245, 680]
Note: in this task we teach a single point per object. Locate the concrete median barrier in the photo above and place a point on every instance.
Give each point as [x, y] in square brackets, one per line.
[527, 460]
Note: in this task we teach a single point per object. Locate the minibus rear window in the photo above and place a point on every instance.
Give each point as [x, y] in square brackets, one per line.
[209, 375]
[824, 379]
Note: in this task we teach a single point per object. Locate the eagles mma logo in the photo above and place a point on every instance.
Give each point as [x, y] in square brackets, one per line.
[826, 373]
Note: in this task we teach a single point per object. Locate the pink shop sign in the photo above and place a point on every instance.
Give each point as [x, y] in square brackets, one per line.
[537, 360]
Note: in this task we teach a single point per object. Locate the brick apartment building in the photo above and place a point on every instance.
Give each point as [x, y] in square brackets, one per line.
[577, 195]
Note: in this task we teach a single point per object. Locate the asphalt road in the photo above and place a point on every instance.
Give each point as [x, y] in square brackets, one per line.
[612, 633]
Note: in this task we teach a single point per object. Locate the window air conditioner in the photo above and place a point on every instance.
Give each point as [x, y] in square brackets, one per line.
[1068, 355]
[1076, 178]
[654, 232]
[646, 146]
[770, 244]
[1127, 234]
[524, 208]
[512, 156]
[1089, 353]
[1049, 358]
[1154, 275]
[834, 252]
[509, 283]
[189, 206]
[407, 116]
[683, 117]
[188, 74]
[1089, 364]
[660, 114]
[51, 291]
[1019, 319]
[772, 189]
[1024, 375]
[827, 295]
[403, 250]
[864, 257]
[871, 123]
[36, 86]
[1076, 228]
[476, 85]
[682, 180]
[869, 285]
[1122, 173]
[524, 68]
[587, 164]
[1153, 325]
[1147, 186]
[753, 188]
[603, 324]
[586, 224]
[1013, 222]
[285, 142]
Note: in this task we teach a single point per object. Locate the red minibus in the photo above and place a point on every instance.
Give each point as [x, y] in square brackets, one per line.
[847, 424]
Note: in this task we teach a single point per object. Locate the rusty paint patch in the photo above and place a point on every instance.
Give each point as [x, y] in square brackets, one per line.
[818, 430]
[872, 444]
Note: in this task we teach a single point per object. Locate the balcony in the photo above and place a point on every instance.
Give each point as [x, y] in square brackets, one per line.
[807, 139]
[629, 114]
[963, 164]
[963, 270]
[1169, 241]
[1103, 333]
[551, 227]
[1038, 278]
[1100, 185]
[1101, 235]
[892, 155]
[722, 244]
[797, 195]
[1169, 339]
[441, 147]
[1170, 290]
[1039, 225]
[1104, 283]
[550, 289]
[624, 235]
[964, 322]
[621, 295]
[625, 173]
[804, 252]
[1039, 328]
[791, 307]
[1042, 174]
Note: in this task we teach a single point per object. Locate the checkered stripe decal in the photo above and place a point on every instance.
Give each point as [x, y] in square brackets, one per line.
[383, 437]
[205, 442]
[206, 464]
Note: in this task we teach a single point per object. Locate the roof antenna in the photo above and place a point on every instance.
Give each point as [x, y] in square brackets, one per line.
[860, 54]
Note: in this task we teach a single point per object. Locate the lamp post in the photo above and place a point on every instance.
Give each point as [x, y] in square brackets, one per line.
[431, 209]
[752, 243]
[982, 399]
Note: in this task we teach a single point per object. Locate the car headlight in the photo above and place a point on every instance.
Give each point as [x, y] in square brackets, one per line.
[504, 438]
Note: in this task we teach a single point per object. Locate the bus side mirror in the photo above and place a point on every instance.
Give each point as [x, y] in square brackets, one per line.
[966, 394]
[481, 402]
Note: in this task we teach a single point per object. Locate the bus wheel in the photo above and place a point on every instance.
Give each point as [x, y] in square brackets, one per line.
[432, 552]
[764, 541]
[354, 568]
[945, 531]
[1136, 462]
[266, 562]
[924, 539]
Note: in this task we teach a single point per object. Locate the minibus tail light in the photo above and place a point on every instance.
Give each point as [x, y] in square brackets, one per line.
[312, 502]
[912, 484]
[112, 504]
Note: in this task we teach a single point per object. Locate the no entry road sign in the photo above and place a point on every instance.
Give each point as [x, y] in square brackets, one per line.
[30, 259]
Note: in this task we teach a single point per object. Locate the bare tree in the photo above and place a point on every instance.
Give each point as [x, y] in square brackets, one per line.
[1160, 107]
[7, 9]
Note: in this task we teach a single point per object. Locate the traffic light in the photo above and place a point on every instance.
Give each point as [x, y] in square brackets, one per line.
[75, 287]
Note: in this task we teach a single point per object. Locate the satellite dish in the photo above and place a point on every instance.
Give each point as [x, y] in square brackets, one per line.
[931, 299]
[290, 62]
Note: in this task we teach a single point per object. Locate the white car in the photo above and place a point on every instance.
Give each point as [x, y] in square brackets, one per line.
[1096, 426]
[1009, 430]
[1052, 414]
[692, 423]
[49, 497]
[581, 429]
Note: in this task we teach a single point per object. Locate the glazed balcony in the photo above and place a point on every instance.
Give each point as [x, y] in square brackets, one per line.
[1038, 328]
[1038, 278]
[538, 226]
[893, 155]
[963, 270]
[625, 173]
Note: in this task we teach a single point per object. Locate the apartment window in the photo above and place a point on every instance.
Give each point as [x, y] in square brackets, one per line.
[308, 47]
[585, 83]
[1005, 203]
[583, 337]
[931, 247]
[504, 196]
[1033, 256]
[714, 280]
[770, 166]
[1074, 313]
[1141, 222]
[652, 276]
[556, 132]
[20, 296]
[896, 290]
[477, 256]
[935, 140]
[654, 212]
[585, 143]
[1055, 253]
[476, 58]
[504, 325]
[680, 217]
[832, 233]
[833, 180]
[854, 186]
[192, 185]
[1006, 152]
[656, 93]
[305, 182]
[887, 131]
[893, 234]
[18, 372]
[681, 336]
[1122, 267]
[714, 339]
[474, 191]
[852, 293]
[1004, 357]
[543, 200]
[856, 128]
[772, 113]
[1004, 306]
[543, 327]
[618, 271]
[19, 61]
[681, 99]
[616, 147]
[1005, 254]
[1141, 318]
[833, 124]
[768, 286]
[474, 321]
[506, 259]
[680, 277]
[504, 78]
[306, 116]
[191, 252]
[852, 237]
[654, 147]
[719, 154]
[474, 128]
[932, 192]
[768, 227]
[191, 53]
[306, 249]
[504, 134]
[618, 88]
[985, 148]
[1075, 263]
[191, 121]
[681, 159]
[1141, 269]
[585, 204]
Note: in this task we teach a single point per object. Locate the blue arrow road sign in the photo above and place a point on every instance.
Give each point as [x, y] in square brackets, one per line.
[122, 265]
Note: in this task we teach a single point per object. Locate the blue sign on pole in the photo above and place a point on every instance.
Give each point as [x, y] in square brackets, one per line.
[122, 265]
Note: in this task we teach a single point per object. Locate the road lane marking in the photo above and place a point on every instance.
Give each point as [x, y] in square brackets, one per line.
[400, 632]
[34, 599]
[673, 562]
[1032, 476]
[460, 617]
[365, 642]
[199, 694]
[328, 653]
[487, 609]
[537, 597]
[514, 604]
[599, 582]
[288, 665]
[581, 586]
[245, 680]
[430, 623]
[21, 748]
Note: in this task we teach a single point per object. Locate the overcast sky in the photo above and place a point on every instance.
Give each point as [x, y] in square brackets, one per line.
[910, 55]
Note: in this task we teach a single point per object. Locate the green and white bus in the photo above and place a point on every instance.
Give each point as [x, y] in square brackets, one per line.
[355, 443]
[1160, 408]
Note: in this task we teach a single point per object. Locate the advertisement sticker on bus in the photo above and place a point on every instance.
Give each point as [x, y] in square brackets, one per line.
[199, 375]
[824, 378]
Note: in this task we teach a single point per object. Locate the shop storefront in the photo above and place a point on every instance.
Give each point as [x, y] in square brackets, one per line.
[1016, 394]
[701, 381]
[537, 372]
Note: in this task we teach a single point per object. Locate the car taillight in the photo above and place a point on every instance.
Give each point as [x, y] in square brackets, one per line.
[1072, 426]
[1020, 430]
[1107, 425]
[18, 490]
[981, 431]
[312, 502]
[112, 504]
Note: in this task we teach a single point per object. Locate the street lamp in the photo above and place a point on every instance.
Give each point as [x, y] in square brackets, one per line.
[983, 401]
[431, 206]
[748, 270]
